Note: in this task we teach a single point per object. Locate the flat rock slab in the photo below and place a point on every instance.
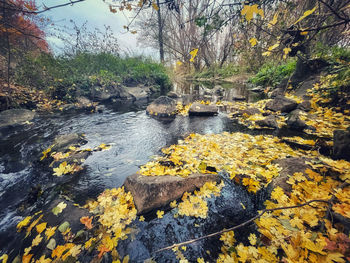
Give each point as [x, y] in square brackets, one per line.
[281, 104]
[15, 117]
[198, 109]
[151, 192]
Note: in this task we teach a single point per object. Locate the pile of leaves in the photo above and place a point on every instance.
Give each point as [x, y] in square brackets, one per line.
[248, 159]
[294, 232]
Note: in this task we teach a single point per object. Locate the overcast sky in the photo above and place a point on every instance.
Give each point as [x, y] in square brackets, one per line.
[97, 13]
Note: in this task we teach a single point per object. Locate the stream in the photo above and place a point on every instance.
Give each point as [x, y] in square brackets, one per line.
[134, 138]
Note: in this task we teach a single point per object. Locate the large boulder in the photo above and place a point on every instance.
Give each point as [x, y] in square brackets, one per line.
[341, 144]
[15, 117]
[281, 104]
[162, 107]
[151, 192]
[198, 109]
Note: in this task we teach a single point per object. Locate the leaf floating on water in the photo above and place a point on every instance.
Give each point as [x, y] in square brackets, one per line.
[52, 244]
[36, 241]
[4, 258]
[41, 227]
[64, 227]
[59, 208]
[23, 223]
[50, 231]
[86, 221]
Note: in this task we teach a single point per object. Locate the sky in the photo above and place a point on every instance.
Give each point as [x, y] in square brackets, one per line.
[97, 13]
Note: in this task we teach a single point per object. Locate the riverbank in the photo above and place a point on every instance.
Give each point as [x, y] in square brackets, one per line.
[249, 163]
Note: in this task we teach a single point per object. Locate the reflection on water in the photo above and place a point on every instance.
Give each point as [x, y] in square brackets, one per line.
[214, 91]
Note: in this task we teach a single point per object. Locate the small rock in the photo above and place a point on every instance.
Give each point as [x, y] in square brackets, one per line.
[218, 90]
[294, 122]
[257, 89]
[151, 192]
[15, 117]
[162, 107]
[198, 109]
[238, 97]
[281, 104]
[62, 142]
[269, 121]
[341, 144]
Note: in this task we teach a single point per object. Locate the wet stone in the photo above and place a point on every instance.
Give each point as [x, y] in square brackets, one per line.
[198, 109]
[151, 192]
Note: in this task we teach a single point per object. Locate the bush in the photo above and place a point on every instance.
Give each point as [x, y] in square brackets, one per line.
[64, 77]
[216, 71]
[270, 74]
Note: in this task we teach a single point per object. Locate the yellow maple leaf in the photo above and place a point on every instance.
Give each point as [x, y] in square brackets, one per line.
[4, 258]
[50, 231]
[23, 223]
[36, 241]
[253, 41]
[42, 259]
[155, 6]
[306, 14]
[160, 214]
[273, 21]
[193, 54]
[41, 227]
[249, 10]
[88, 243]
[252, 239]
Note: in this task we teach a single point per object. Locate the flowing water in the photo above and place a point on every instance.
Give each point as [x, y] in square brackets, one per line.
[134, 137]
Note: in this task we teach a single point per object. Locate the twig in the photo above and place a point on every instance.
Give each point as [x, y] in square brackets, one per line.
[240, 225]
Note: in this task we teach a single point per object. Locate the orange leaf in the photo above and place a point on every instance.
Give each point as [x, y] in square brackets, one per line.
[86, 221]
[27, 258]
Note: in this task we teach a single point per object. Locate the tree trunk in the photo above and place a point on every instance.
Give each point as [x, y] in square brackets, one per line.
[160, 34]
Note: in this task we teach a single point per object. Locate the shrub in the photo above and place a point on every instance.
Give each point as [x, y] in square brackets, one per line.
[64, 77]
[270, 74]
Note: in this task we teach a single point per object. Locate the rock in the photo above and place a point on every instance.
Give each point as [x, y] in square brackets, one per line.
[198, 109]
[257, 89]
[281, 104]
[289, 167]
[100, 108]
[218, 90]
[113, 91]
[341, 144]
[294, 122]
[305, 106]
[151, 192]
[15, 117]
[173, 94]
[139, 92]
[83, 101]
[62, 142]
[238, 97]
[275, 93]
[250, 111]
[162, 107]
[269, 121]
